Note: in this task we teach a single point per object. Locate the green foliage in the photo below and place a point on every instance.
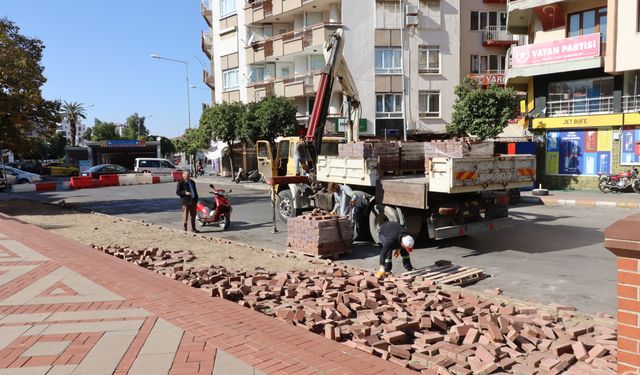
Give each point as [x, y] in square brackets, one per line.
[87, 134]
[131, 130]
[50, 147]
[103, 131]
[167, 148]
[191, 141]
[73, 112]
[57, 143]
[482, 113]
[23, 110]
[223, 121]
[272, 117]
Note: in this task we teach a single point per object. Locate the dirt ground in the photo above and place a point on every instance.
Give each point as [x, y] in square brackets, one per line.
[98, 229]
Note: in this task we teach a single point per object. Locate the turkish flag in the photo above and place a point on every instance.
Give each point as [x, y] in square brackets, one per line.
[551, 16]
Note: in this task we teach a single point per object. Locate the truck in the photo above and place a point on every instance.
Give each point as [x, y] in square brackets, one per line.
[456, 195]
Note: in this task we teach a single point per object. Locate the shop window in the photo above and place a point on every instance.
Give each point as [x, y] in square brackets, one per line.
[584, 96]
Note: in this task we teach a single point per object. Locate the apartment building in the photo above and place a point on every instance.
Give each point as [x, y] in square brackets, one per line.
[406, 56]
[579, 71]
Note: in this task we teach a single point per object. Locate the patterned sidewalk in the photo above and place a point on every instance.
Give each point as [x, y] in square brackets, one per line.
[68, 309]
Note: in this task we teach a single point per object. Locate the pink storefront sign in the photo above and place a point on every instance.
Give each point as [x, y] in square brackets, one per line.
[575, 48]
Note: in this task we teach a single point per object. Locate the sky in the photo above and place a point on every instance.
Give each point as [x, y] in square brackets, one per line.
[97, 52]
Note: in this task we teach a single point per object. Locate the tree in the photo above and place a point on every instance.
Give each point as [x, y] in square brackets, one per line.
[87, 134]
[482, 113]
[103, 131]
[50, 147]
[57, 143]
[274, 116]
[222, 122]
[73, 112]
[167, 148]
[135, 128]
[23, 110]
[191, 142]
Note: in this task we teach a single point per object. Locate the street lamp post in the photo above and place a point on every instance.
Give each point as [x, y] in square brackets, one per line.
[186, 66]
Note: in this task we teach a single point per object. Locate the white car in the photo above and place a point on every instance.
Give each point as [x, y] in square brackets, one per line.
[155, 165]
[17, 176]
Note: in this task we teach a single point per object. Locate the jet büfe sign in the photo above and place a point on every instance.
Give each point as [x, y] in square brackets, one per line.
[575, 48]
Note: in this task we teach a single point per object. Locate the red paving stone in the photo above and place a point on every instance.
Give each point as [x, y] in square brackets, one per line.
[209, 324]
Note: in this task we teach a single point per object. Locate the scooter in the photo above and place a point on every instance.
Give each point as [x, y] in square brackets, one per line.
[619, 182]
[217, 213]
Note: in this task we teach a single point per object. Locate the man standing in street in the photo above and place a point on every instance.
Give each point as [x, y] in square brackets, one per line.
[394, 238]
[188, 194]
[346, 203]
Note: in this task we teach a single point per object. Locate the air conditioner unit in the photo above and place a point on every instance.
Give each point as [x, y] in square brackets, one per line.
[411, 21]
[411, 10]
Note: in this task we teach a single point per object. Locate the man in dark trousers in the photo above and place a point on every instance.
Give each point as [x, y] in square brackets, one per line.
[188, 194]
[393, 237]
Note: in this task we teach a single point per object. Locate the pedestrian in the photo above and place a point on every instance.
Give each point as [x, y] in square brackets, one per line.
[394, 239]
[346, 203]
[186, 190]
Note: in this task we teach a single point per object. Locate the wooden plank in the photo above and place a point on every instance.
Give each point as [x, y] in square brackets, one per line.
[470, 272]
[403, 192]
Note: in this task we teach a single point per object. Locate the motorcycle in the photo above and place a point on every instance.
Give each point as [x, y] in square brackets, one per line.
[619, 182]
[217, 211]
[252, 176]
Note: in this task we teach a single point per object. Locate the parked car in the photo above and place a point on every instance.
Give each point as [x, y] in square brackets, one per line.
[3, 182]
[104, 169]
[62, 169]
[155, 165]
[18, 176]
[30, 166]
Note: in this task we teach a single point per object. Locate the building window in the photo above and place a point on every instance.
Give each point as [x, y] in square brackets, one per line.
[311, 101]
[480, 20]
[429, 104]
[429, 59]
[316, 62]
[230, 80]
[583, 96]
[388, 15]
[431, 11]
[256, 72]
[588, 22]
[388, 61]
[389, 105]
[227, 8]
[488, 64]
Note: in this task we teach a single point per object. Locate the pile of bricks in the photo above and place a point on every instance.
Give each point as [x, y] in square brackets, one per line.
[387, 152]
[319, 235]
[414, 323]
[152, 258]
[457, 148]
[412, 156]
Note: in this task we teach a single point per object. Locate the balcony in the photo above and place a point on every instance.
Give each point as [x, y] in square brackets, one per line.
[488, 77]
[207, 44]
[290, 43]
[521, 12]
[206, 12]
[498, 36]
[297, 85]
[558, 56]
[587, 106]
[208, 79]
[631, 103]
[268, 10]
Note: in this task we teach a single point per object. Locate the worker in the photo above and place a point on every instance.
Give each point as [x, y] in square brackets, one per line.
[394, 239]
[300, 159]
[346, 204]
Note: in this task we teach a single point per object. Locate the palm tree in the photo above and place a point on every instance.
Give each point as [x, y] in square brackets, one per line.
[73, 112]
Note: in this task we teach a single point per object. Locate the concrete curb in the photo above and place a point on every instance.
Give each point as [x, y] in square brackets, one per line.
[552, 201]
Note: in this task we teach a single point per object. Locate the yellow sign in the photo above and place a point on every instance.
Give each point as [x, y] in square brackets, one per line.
[604, 139]
[552, 162]
[577, 121]
[632, 118]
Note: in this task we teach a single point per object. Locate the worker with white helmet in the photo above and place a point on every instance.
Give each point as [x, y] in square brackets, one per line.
[394, 238]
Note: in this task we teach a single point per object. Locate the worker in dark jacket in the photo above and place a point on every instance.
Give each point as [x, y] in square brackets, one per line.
[188, 194]
[394, 238]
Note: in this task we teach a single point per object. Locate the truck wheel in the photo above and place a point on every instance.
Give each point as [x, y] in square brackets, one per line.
[514, 196]
[379, 215]
[284, 205]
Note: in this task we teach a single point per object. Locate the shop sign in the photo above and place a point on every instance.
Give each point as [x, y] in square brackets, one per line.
[579, 152]
[567, 49]
[577, 121]
[488, 79]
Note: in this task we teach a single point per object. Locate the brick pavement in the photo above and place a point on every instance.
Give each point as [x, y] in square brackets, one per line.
[68, 309]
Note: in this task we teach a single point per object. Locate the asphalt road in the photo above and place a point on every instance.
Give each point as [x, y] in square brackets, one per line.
[552, 254]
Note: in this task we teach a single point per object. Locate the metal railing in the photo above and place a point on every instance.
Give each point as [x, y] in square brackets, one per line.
[499, 34]
[585, 106]
[306, 78]
[305, 33]
[631, 103]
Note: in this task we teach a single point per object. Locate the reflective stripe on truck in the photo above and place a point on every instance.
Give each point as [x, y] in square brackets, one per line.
[473, 228]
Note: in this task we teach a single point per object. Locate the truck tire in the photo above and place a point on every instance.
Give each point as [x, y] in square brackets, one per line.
[378, 215]
[284, 206]
[514, 196]
[540, 192]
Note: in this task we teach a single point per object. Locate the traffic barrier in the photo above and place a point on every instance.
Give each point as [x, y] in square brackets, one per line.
[156, 179]
[80, 182]
[127, 179]
[177, 176]
[95, 184]
[144, 179]
[110, 180]
[46, 186]
[166, 178]
[23, 188]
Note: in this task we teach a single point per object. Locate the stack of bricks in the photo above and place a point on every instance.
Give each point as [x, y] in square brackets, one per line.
[387, 152]
[319, 235]
[414, 323]
[412, 155]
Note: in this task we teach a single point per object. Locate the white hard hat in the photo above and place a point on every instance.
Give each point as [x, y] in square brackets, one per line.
[408, 242]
